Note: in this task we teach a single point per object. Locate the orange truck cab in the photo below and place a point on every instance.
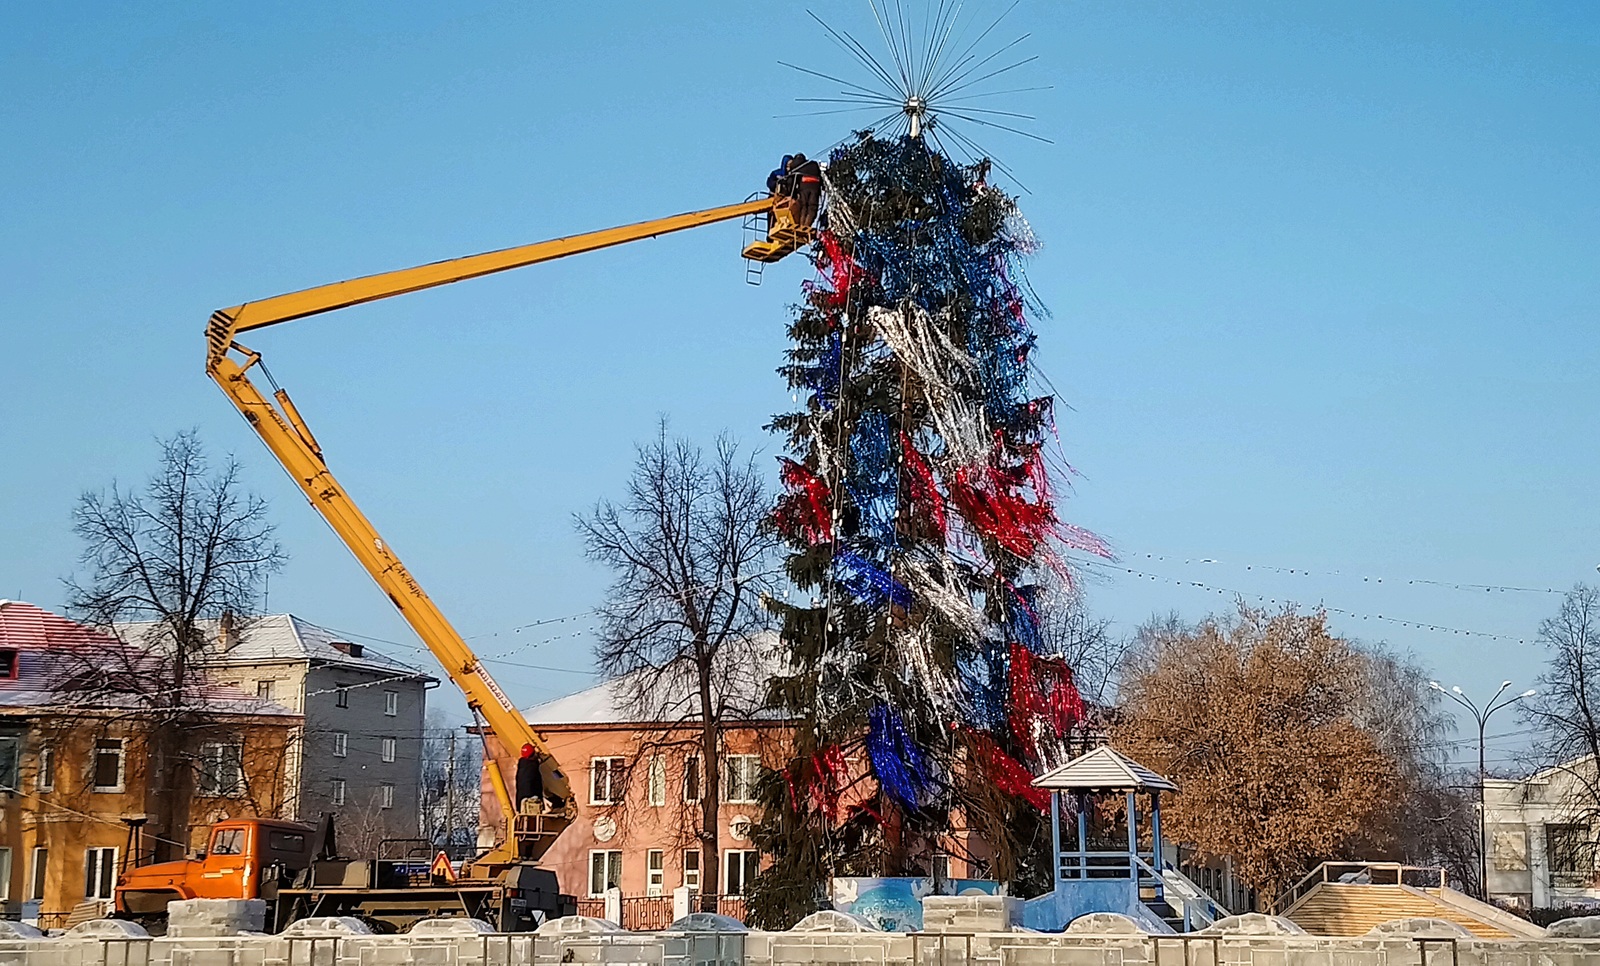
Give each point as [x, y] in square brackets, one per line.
[245, 858]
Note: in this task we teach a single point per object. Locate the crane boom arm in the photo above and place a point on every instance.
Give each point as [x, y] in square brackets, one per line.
[371, 288]
[278, 423]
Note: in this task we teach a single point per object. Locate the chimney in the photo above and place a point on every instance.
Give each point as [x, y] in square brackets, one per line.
[227, 631]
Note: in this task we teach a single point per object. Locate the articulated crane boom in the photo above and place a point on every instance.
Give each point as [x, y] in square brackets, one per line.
[289, 438]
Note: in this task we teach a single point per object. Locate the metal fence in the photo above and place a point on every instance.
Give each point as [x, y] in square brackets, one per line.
[651, 913]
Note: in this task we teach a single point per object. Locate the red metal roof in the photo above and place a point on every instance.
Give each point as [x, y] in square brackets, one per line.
[51, 648]
[26, 626]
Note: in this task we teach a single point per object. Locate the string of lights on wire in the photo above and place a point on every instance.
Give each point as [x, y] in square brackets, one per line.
[1262, 598]
[1364, 577]
[583, 623]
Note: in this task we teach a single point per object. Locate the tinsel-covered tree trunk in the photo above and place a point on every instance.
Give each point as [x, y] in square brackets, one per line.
[919, 517]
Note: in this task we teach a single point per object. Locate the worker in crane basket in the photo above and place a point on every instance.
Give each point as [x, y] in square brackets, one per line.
[530, 782]
[778, 186]
[775, 178]
[806, 187]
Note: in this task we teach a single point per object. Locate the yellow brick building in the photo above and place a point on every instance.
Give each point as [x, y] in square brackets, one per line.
[80, 797]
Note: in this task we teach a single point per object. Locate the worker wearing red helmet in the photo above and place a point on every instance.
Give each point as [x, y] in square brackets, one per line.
[530, 780]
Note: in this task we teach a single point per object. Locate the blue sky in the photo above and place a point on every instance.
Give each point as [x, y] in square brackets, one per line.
[1322, 280]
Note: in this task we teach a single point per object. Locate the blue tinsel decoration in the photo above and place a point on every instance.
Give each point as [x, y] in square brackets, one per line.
[822, 376]
[1022, 618]
[1003, 371]
[929, 261]
[873, 479]
[983, 679]
[867, 582]
[898, 764]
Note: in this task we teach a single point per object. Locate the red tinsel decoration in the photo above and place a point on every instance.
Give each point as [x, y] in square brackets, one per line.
[841, 268]
[1038, 475]
[989, 498]
[1010, 295]
[1007, 774]
[828, 774]
[925, 494]
[805, 511]
[865, 808]
[1042, 695]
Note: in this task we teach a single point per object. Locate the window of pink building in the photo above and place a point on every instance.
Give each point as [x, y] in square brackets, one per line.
[658, 780]
[742, 866]
[743, 772]
[605, 871]
[605, 781]
[691, 778]
[655, 866]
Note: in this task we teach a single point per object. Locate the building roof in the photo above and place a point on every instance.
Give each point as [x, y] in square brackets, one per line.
[671, 692]
[1103, 769]
[601, 704]
[1581, 767]
[26, 627]
[63, 664]
[285, 638]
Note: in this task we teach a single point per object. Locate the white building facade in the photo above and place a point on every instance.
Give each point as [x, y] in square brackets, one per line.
[1541, 833]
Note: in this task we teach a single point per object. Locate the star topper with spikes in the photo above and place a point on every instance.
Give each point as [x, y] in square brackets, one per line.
[935, 81]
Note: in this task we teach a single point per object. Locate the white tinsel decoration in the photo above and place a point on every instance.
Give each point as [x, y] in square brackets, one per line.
[934, 583]
[941, 367]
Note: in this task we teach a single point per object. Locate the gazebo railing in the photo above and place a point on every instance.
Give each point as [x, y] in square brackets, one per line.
[1196, 908]
[1097, 865]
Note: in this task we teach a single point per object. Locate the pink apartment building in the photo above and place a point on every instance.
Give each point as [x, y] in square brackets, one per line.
[639, 786]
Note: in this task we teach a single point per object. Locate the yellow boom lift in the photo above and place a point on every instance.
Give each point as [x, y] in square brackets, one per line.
[286, 434]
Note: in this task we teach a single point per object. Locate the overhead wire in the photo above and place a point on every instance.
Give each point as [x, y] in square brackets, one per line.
[92, 817]
[1366, 577]
[1201, 585]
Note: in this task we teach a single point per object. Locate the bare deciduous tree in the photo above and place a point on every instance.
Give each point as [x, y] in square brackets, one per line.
[1083, 640]
[1405, 717]
[1566, 711]
[1441, 828]
[450, 789]
[193, 545]
[691, 552]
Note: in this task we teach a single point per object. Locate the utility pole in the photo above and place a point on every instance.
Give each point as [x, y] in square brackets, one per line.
[450, 794]
[1481, 716]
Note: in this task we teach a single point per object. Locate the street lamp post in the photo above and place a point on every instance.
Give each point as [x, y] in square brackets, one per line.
[1481, 715]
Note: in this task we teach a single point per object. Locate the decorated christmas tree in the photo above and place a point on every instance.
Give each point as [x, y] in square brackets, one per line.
[919, 514]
